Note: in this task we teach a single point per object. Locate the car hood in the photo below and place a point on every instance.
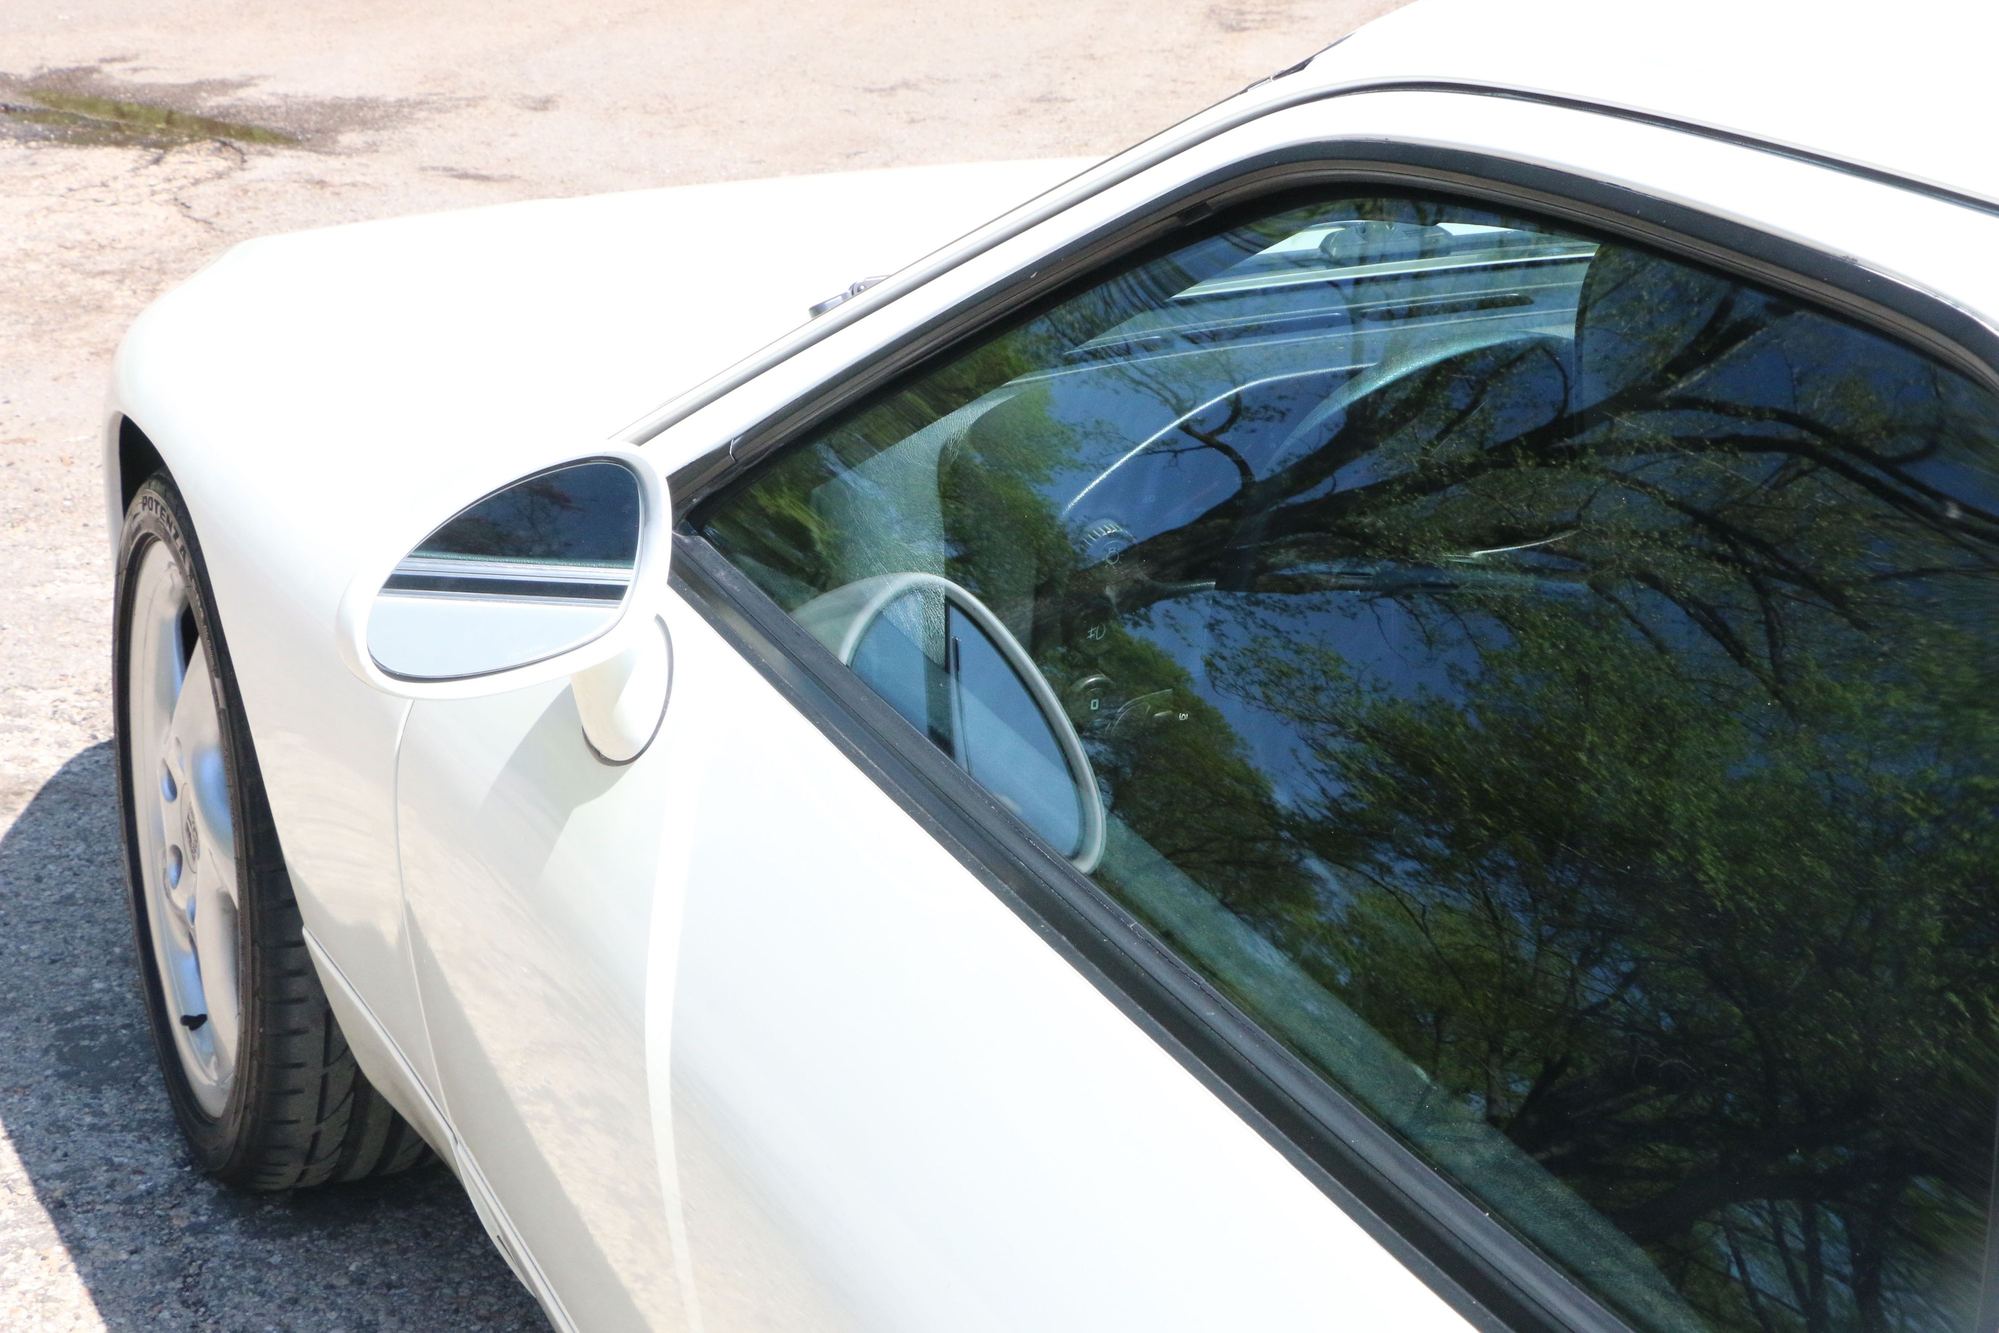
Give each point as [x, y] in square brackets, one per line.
[414, 342]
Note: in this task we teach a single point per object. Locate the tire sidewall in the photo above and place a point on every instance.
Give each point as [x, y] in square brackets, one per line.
[158, 515]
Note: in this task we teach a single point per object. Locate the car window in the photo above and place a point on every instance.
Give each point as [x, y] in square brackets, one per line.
[1544, 684]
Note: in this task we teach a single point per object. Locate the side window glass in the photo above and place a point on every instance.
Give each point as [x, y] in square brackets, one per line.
[1545, 684]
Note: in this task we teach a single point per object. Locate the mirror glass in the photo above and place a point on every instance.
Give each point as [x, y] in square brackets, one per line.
[530, 571]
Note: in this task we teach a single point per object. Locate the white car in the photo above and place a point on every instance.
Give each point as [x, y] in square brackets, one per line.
[1375, 714]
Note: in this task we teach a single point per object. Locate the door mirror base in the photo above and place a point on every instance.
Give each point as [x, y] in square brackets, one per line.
[622, 700]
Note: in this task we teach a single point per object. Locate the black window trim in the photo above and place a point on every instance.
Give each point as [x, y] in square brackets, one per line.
[1925, 319]
[1494, 1279]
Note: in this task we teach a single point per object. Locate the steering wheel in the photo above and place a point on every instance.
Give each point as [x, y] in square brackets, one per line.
[1429, 353]
[1390, 370]
[844, 618]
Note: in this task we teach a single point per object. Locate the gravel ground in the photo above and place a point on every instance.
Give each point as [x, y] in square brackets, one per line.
[139, 140]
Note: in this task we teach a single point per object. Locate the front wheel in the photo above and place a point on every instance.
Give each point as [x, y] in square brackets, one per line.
[256, 1069]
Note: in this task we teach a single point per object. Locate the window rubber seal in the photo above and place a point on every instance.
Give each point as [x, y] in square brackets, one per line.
[1490, 1276]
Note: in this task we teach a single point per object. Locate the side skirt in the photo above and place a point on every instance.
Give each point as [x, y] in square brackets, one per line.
[387, 1068]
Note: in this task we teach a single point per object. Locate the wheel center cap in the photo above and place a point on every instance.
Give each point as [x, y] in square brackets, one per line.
[190, 837]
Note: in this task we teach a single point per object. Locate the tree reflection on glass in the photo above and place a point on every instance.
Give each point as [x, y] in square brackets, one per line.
[1574, 736]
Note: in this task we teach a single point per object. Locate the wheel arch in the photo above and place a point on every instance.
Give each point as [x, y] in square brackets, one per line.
[130, 456]
[134, 458]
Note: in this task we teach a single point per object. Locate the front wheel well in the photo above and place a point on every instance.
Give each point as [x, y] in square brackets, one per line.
[137, 460]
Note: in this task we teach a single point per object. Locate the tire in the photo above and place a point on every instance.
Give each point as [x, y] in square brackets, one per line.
[289, 1107]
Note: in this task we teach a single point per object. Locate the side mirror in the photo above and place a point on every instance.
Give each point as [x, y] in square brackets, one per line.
[556, 574]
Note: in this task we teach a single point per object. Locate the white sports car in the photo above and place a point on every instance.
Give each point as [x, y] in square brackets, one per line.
[1375, 714]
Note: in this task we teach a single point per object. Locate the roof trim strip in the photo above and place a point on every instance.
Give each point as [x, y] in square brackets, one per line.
[1845, 165]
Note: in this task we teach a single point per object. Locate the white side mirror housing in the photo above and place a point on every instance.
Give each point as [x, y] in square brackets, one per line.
[557, 574]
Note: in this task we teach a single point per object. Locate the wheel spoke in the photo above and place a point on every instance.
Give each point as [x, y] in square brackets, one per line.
[193, 718]
[215, 948]
[196, 745]
[158, 653]
[157, 670]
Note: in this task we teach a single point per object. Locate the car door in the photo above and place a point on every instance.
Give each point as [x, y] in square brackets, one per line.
[731, 1036]
[733, 1040]
[1343, 768]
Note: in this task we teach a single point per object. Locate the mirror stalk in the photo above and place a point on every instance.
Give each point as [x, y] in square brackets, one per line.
[622, 699]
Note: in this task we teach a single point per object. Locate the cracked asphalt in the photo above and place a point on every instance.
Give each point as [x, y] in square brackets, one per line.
[137, 141]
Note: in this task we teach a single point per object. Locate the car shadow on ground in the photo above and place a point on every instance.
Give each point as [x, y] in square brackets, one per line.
[95, 1187]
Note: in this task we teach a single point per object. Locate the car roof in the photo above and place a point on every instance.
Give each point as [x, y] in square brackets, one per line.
[1895, 89]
